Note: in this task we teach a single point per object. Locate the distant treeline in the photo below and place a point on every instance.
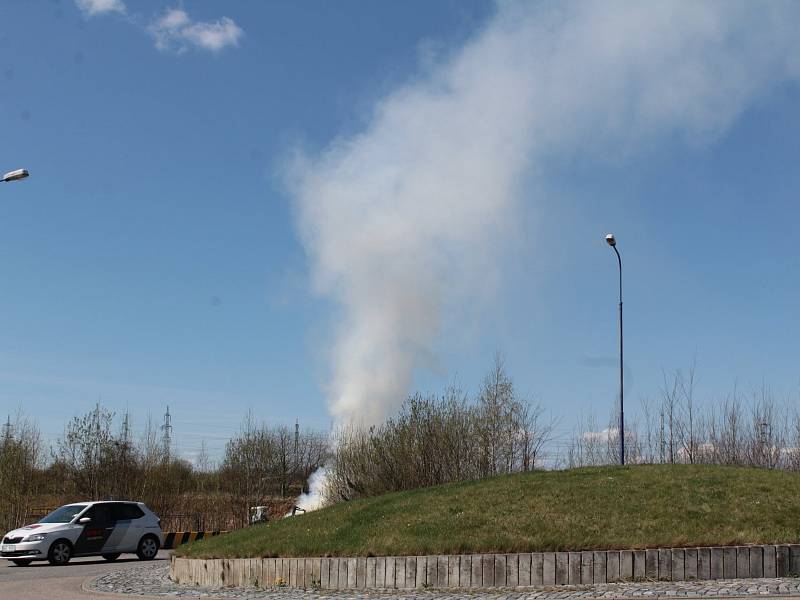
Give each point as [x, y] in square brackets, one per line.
[431, 440]
[96, 460]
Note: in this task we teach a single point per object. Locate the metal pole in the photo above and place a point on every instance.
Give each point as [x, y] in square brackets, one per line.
[621, 377]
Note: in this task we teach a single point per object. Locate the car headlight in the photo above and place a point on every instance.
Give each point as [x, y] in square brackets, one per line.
[36, 537]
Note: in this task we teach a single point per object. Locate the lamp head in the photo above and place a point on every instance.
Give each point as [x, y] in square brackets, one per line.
[15, 175]
[611, 240]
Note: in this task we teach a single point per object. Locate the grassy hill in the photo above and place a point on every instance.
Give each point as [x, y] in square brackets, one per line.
[580, 509]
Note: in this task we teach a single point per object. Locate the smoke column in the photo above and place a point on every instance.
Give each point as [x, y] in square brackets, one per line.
[314, 499]
[401, 220]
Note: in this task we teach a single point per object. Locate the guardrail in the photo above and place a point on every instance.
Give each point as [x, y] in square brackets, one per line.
[173, 539]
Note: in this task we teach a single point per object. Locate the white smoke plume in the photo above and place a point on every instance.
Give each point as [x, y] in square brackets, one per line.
[401, 220]
[315, 497]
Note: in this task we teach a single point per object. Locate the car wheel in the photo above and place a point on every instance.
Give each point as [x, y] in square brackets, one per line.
[21, 562]
[60, 552]
[111, 557]
[148, 548]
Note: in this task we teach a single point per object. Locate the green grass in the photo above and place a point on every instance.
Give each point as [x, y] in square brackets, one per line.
[581, 509]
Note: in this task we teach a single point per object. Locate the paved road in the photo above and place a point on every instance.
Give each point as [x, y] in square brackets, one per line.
[40, 580]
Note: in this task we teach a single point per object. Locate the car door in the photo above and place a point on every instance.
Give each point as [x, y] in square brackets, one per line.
[129, 526]
[96, 533]
[118, 540]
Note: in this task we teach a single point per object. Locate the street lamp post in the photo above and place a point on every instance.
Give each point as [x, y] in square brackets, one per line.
[613, 243]
[15, 175]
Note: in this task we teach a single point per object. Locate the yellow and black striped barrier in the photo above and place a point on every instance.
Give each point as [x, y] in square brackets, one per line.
[173, 539]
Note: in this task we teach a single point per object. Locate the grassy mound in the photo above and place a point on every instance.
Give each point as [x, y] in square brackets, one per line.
[581, 509]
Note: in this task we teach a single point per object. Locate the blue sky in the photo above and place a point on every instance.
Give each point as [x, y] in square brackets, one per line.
[156, 255]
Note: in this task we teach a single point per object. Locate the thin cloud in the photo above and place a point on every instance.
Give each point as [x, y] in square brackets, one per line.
[175, 30]
[610, 433]
[92, 8]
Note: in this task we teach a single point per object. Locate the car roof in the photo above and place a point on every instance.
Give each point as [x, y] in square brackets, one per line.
[88, 502]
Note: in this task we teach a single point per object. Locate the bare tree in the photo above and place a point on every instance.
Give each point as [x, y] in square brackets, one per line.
[536, 432]
[87, 451]
[495, 421]
[687, 427]
[20, 463]
[670, 393]
[651, 440]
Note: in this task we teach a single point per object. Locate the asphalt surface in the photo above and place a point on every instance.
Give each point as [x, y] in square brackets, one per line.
[41, 580]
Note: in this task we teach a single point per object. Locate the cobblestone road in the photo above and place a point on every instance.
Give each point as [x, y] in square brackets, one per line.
[152, 580]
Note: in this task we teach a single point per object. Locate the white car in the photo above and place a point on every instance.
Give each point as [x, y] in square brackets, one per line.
[104, 529]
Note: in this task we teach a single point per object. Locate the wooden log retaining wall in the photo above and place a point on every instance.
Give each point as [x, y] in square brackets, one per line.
[493, 570]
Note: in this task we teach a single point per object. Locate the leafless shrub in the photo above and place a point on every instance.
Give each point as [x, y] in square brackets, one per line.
[754, 430]
[591, 447]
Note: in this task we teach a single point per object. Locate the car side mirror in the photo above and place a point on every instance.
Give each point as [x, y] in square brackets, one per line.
[84, 520]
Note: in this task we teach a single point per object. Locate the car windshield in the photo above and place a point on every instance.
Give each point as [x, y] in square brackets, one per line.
[65, 514]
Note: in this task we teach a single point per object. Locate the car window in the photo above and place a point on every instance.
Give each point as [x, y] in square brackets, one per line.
[65, 514]
[128, 511]
[101, 515]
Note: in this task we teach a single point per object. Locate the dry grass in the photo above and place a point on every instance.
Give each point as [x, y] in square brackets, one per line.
[581, 509]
